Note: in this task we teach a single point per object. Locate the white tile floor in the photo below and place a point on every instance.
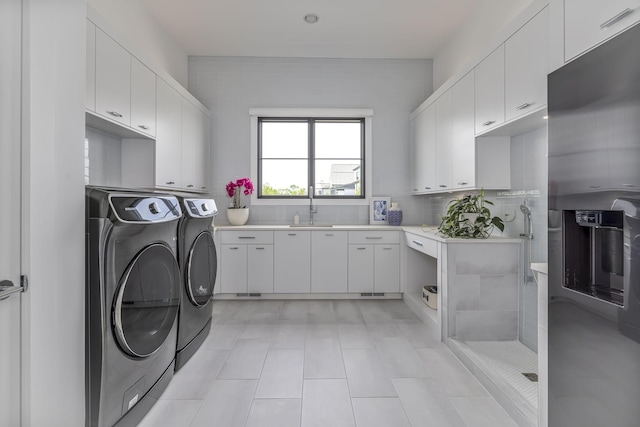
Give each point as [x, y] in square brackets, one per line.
[323, 363]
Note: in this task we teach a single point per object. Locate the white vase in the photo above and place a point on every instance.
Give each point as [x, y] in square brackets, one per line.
[238, 216]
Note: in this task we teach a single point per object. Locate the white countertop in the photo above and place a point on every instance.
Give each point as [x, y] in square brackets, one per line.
[426, 231]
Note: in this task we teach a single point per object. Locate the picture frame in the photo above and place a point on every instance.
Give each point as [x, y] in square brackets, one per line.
[379, 210]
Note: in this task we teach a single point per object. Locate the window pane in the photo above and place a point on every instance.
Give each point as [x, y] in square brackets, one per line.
[338, 140]
[284, 177]
[285, 140]
[338, 177]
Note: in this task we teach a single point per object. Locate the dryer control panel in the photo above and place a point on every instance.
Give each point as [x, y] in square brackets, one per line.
[200, 208]
[144, 209]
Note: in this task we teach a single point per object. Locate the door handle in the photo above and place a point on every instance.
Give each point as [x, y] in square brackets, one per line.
[7, 288]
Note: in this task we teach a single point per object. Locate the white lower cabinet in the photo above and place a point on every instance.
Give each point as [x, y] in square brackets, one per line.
[246, 262]
[328, 261]
[292, 261]
[374, 261]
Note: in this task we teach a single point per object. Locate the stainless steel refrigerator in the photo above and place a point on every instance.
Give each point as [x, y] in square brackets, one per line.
[594, 237]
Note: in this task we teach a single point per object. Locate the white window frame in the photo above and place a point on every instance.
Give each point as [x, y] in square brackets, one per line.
[350, 113]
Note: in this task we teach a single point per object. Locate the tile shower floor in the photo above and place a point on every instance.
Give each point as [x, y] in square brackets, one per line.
[323, 363]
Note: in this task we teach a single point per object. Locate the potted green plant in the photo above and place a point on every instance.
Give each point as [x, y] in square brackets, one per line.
[469, 218]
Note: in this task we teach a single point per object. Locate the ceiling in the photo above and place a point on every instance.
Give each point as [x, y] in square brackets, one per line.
[346, 28]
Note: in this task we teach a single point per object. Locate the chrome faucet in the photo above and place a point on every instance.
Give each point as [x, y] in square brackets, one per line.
[312, 209]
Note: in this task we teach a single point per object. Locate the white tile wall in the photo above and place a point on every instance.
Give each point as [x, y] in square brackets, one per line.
[229, 87]
[103, 166]
[528, 181]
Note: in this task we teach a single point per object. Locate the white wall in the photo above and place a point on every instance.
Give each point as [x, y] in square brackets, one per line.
[488, 19]
[229, 87]
[132, 21]
[53, 135]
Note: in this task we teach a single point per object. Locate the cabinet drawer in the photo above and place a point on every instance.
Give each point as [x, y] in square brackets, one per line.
[422, 244]
[248, 236]
[373, 237]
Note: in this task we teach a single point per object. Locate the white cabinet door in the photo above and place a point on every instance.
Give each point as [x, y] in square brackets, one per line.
[190, 155]
[260, 269]
[113, 79]
[143, 98]
[423, 151]
[233, 269]
[444, 133]
[361, 274]
[292, 262]
[526, 67]
[90, 94]
[489, 91]
[329, 261]
[168, 137]
[588, 23]
[387, 268]
[463, 143]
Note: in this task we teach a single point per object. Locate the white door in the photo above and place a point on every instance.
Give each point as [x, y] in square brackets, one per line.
[10, 301]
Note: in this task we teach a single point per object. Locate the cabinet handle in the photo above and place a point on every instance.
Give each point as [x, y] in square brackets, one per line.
[170, 183]
[386, 249]
[606, 24]
[427, 188]
[361, 249]
[442, 186]
[462, 183]
[374, 237]
[114, 113]
[145, 127]
[488, 122]
[259, 249]
[415, 189]
[418, 243]
[203, 188]
[329, 234]
[246, 237]
[523, 106]
[190, 186]
[291, 234]
[234, 248]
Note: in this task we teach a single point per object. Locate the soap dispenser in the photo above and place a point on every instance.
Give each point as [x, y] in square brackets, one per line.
[296, 219]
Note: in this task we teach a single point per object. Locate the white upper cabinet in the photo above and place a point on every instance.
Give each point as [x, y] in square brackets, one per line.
[444, 134]
[463, 140]
[190, 155]
[489, 91]
[168, 147]
[588, 23]
[526, 67]
[143, 98]
[90, 93]
[423, 151]
[113, 79]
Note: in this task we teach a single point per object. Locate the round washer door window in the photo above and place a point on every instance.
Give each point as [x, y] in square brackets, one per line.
[147, 301]
[201, 270]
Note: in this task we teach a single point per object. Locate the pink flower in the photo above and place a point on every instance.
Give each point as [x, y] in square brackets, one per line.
[234, 189]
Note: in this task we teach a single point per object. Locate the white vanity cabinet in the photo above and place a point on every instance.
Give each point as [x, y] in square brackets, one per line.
[374, 261]
[246, 262]
[113, 79]
[588, 23]
[143, 98]
[526, 67]
[292, 261]
[329, 261]
[489, 91]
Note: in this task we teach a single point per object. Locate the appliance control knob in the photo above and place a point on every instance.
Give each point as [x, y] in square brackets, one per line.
[205, 207]
[154, 208]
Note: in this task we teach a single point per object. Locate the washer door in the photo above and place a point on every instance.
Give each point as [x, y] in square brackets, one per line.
[201, 270]
[147, 301]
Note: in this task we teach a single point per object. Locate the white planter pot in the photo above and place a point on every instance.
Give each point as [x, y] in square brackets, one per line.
[238, 216]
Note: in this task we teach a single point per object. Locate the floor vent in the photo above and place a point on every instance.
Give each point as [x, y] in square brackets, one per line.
[251, 294]
[371, 294]
[531, 376]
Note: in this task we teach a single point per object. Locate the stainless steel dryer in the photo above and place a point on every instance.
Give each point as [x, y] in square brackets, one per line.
[198, 263]
[133, 297]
